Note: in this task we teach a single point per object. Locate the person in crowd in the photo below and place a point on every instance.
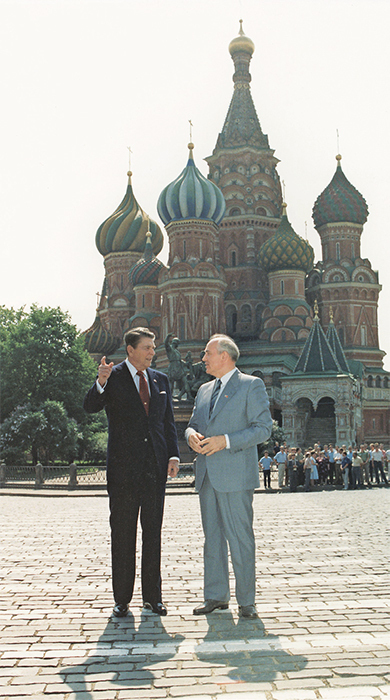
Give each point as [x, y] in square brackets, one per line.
[372, 448]
[314, 469]
[300, 461]
[309, 461]
[331, 453]
[281, 459]
[338, 456]
[322, 466]
[364, 455]
[357, 464]
[265, 463]
[292, 469]
[377, 463]
[345, 467]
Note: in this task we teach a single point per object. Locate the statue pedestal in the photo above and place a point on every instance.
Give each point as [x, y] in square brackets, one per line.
[182, 411]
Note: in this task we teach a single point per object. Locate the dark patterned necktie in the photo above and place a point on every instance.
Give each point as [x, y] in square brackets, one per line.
[144, 391]
[214, 395]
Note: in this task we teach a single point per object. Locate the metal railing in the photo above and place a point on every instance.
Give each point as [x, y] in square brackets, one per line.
[70, 476]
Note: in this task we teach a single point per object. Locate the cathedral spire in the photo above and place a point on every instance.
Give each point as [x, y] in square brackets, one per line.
[242, 126]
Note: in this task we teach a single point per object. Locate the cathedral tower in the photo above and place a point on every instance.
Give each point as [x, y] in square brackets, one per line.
[193, 286]
[344, 281]
[244, 168]
[121, 240]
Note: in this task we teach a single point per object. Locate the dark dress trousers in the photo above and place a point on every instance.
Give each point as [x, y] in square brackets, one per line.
[139, 448]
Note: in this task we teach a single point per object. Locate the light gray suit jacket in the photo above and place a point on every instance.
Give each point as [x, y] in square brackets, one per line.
[242, 411]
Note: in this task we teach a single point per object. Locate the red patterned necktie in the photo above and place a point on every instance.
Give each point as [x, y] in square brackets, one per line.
[144, 391]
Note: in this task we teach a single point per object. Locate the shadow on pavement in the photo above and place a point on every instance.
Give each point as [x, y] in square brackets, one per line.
[239, 650]
[250, 654]
[123, 670]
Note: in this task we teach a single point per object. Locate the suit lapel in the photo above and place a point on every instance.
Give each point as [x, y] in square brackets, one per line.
[129, 385]
[227, 393]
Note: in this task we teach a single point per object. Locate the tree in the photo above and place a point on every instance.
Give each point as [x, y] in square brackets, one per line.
[42, 357]
[47, 434]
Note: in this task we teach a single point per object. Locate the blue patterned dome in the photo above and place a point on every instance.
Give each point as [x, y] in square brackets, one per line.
[147, 269]
[191, 196]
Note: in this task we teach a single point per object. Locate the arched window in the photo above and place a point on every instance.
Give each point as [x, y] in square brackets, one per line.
[281, 287]
[261, 211]
[235, 212]
[370, 381]
[386, 383]
[378, 382]
[231, 319]
[353, 251]
[233, 258]
[184, 250]
[337, 251]
[363, 335]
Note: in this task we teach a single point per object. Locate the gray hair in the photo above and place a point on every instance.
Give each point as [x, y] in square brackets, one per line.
[226, 344]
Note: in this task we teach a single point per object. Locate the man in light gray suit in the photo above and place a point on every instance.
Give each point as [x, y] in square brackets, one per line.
[231, 416]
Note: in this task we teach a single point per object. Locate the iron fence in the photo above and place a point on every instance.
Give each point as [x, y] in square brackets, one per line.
[70, 476]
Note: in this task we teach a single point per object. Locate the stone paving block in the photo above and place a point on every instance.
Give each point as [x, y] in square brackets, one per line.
[294, 694]
[194, 691]
[350, 692]
[140, 694]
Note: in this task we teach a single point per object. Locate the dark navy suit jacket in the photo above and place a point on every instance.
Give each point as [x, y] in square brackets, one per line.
[130, 431]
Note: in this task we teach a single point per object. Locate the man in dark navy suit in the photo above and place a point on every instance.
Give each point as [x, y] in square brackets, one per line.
[142, 451]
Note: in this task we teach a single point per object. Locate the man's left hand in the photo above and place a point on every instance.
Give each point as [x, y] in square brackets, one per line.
[173, 467]
[212, 444]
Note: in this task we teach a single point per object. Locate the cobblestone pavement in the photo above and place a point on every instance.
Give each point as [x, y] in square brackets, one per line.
[323, 595]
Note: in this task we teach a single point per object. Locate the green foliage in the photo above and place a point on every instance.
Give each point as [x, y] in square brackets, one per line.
[47, 434]
[45, 373]
[93, 445]
[277, 436]
[42, 357]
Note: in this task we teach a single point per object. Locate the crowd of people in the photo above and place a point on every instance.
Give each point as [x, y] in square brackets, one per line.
[322, 465]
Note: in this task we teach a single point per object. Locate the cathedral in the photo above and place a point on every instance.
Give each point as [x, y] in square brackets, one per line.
[308, 329]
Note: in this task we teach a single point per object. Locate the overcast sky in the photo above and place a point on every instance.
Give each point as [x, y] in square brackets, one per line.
[81, 81]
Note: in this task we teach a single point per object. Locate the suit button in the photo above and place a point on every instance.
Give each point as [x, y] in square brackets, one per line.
[145, 439]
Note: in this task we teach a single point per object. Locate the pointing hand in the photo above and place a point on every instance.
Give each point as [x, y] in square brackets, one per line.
[104, 371]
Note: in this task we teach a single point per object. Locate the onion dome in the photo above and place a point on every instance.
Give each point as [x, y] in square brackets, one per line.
[125, 230]
[241, 43]
[191, 196]
[340, 201]
[98, 340]
[285, 250]
[147, 269]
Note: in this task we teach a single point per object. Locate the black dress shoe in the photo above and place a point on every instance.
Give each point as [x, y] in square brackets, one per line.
[209, 605]
[248, 611]
[157, 608]
[120, 610]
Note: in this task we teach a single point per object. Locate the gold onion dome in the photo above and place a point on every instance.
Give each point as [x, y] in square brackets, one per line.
[125, 230]
[340, 202]
[241, 43]
[147, 269]
[285, 250]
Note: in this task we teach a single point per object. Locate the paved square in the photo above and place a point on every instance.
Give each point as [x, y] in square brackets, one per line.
[323, 595]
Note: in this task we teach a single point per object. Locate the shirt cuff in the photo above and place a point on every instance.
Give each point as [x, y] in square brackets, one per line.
[227, 441]
[178, 459]
[99, 387]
